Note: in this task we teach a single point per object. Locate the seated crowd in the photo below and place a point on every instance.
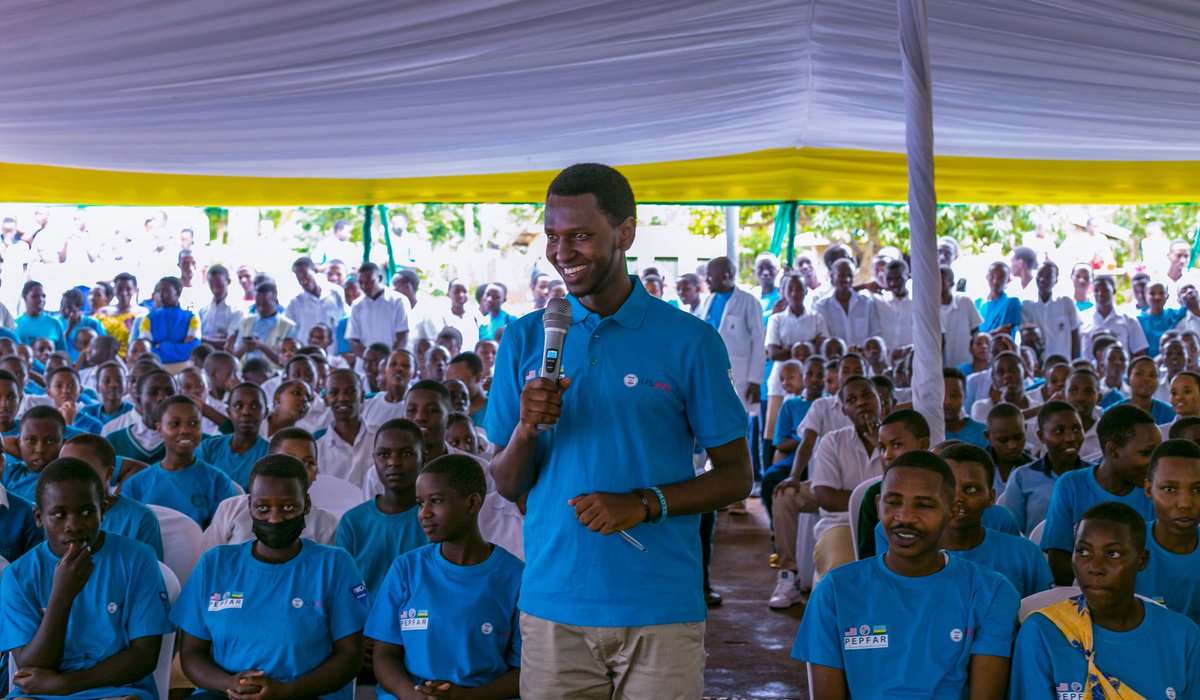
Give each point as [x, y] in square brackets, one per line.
[330, 456]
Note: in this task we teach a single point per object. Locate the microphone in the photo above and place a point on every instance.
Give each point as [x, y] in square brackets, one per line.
[556, 320]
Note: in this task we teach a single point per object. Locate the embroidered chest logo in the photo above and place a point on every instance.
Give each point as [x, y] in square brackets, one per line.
[224, 601]
[1069, 691]
[632, 380]
[414, 620]
[865, 637]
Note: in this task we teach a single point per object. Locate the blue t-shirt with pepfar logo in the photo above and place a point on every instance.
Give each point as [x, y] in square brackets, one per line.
[648, 382]
[1159, 658]
[456, 623]
[281, 619]
[911, 637]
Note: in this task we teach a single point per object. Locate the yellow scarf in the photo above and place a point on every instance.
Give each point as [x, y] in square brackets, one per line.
[1074, 620]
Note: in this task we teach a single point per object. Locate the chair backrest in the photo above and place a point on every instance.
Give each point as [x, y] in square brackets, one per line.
[1035, 535]
[181, 541]
[334, 495]
[3, 564]
[1043, 599]
[856, 499]
[162, 671]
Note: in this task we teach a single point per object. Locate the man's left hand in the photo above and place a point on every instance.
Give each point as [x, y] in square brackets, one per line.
[608, 513]
[753, 392]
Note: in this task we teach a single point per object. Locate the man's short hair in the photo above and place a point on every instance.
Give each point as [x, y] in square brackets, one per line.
[59, 370]
[473, 362]
[614, 196]
[913, 422]
[292, 433]
[1002, 411]
[125, 277]
[963, 452]
[1116, 513]
[218, 270]
[1185, 449]
[280, 466]
[1181, 426]
[854, 378]
[463, 474]
[66, 469]
[177, 399]
[99, 448]
[927, 461]
[897, 264]
[267, 288]
[174, 282]
[954, 373]
[409, 277]
[432, 385]
[74, 296]
[882, 382]
[1117, 424]
[1050, 408]
[303, 261]
[45, 413]
[368, 267]
[402, 425]
[255, 364]
[1026, 255]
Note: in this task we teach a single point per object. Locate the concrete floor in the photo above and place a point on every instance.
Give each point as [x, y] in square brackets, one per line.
[748, 643]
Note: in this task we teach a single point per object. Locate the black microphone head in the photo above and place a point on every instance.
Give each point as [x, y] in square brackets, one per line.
[558, 314]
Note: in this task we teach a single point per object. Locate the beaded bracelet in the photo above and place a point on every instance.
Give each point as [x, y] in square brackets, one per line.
[645, 503]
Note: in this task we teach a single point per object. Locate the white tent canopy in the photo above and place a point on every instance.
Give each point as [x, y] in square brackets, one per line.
[356, 89]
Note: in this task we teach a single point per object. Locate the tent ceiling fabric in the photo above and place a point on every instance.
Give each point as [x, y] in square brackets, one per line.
[374, 91]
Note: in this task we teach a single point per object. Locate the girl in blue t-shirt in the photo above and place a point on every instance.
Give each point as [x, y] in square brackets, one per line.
[276, 615]
[83, 613]
[446, 618]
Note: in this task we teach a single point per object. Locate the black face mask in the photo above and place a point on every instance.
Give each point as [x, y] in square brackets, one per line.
[279, 535]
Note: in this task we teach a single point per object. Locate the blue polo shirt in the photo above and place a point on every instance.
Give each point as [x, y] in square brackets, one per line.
[972, 434]
[19, 532]
[218, 451]
[18, 480]
[30, 328]
[84, 322]
[791, 413]
[1170, 578]
[1015, 558]
[1027, 493]
[646, 382]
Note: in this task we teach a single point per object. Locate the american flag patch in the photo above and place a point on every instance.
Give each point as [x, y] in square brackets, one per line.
[531, 374]
[1062, 687]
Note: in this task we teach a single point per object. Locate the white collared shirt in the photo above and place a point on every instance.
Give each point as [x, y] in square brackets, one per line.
[824, 416]
[854, 324]
[348, 461]
[958, 318]
[896, 320]
[219, 318]
[307, 310]
[378, 320]
[377, 410]
[841, 462]
[232, 524]
[1126, 329]
[1057, 319]
[124, 420]
[785, 329]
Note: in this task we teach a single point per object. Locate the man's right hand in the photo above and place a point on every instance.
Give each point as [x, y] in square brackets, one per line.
[541, 403]
[73, 570]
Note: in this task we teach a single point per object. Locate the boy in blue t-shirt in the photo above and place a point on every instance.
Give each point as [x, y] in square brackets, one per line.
[383, 528]
[83, 614]
[1128, 435]
[1106, 637]
[1173, 485]
[180, 481]
[40, 440]
[1027, 494]
[236, 453]
[446, 618]
[959, 426]
[912, 621]
[1016, 558]
[122, 516]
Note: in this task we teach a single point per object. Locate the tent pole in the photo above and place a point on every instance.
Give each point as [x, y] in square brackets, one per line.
[793, 211]
[369, 210]
[385, 223]
[731, 234]
[922, 214]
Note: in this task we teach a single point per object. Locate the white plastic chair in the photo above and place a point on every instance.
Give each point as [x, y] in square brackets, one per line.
[1035, 535]
[806, 545]
[182, 541]
[335, 495]
[3, 564]
[1044, 599]
[856, 501]
[162, 672]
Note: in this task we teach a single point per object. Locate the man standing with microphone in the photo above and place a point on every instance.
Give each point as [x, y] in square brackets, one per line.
[608, 449]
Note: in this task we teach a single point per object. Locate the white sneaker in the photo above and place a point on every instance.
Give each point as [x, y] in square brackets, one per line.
[787, 591]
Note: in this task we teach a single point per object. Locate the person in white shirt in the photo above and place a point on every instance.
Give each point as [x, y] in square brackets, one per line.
[831, 255]
[423, 323]
[849, 314]
[1023, 266]
[218, 319]
[379, 317]
[1104, 316]
[895, 307]
[314, 304]
[1056, 316]
[785, 329]
[844, 459]
[457, 316]
[960, 321]
[345, 450]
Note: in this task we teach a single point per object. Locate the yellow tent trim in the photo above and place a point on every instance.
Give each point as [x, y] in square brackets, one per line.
[808, 175]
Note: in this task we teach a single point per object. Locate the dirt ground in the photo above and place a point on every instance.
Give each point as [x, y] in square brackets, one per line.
[748, 643]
